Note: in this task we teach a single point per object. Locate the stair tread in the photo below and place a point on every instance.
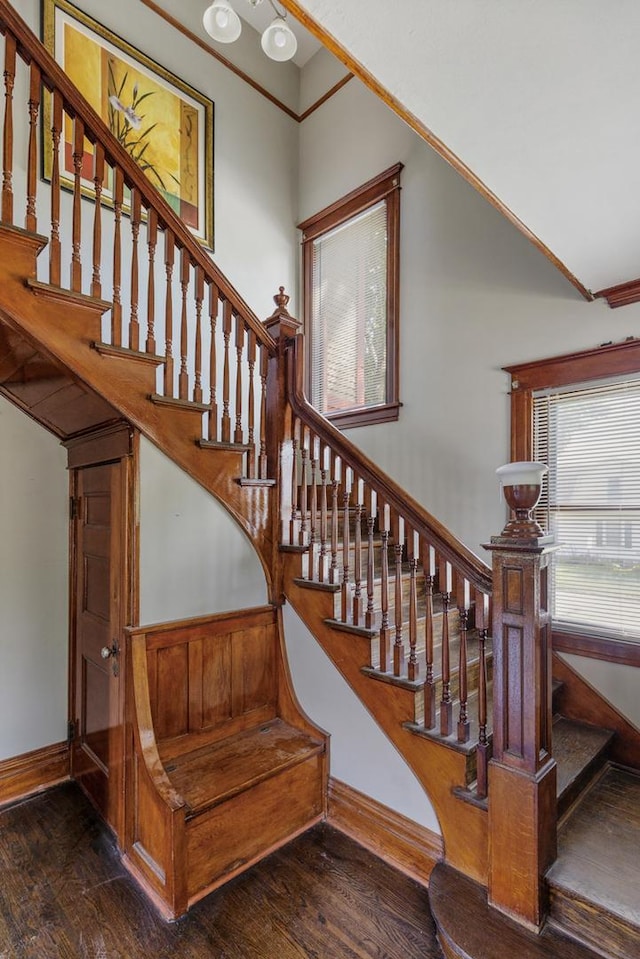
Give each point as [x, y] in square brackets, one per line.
[210, 774]
[575, 747]
[599, 854]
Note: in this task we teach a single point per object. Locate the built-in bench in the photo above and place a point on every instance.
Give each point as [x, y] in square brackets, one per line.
[224, 765]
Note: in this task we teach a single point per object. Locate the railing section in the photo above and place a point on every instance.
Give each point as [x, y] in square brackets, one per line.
[111, 236]
[428, 620]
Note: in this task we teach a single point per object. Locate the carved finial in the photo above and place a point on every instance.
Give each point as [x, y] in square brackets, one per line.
[281, 320]
[281, 300]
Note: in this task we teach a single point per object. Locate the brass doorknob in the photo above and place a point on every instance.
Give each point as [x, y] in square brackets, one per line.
[108, 651]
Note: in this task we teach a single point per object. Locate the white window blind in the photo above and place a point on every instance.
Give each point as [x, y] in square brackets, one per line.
[349, 313]
[590, 438]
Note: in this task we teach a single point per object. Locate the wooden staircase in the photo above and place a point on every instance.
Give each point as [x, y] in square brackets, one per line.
[401, 607]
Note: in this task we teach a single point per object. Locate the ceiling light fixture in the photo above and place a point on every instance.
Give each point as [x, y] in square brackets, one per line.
[222, 23]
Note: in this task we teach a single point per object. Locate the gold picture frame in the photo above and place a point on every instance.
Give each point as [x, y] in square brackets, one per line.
[165, 125]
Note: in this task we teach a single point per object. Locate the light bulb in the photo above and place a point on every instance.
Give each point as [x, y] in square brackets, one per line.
[222, 17]
[279, 38]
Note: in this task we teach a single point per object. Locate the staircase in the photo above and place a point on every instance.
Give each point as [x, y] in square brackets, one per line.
[402, 608]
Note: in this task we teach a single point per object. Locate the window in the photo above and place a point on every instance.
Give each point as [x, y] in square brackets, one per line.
[590, 438]
[580, 414]
[351, 274]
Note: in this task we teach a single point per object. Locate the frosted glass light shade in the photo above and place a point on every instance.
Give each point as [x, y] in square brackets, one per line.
[222, 22]
[522, 473]
[279, 41]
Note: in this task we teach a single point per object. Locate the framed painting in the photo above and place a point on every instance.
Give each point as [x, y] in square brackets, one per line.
[163, 123]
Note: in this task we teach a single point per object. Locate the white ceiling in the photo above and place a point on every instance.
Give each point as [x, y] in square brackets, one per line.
[539, 98]
[260, 15]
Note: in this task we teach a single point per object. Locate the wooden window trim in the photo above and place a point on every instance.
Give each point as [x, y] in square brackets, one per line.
[612, 359]
[385, 186]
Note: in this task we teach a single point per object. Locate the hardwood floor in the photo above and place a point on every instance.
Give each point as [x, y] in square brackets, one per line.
[65, 895]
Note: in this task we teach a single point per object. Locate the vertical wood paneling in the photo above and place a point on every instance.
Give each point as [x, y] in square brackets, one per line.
[216, 680]
[256, 648]
[173, 691]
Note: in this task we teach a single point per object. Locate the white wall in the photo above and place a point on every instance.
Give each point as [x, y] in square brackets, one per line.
[194, 558]
[475, 296]
[34, 505]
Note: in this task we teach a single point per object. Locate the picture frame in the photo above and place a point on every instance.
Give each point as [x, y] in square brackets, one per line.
[164, 124]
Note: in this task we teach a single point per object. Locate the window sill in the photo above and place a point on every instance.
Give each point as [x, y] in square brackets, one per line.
[365, 416]
[620, 651]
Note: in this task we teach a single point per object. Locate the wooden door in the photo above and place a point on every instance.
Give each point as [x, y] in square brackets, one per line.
[100, 610]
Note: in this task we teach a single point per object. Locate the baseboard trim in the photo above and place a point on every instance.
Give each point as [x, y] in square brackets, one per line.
[34, 771]
[401, 842]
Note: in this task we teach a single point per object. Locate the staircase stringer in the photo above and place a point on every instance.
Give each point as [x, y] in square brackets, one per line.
[439, 769]
[67, 331]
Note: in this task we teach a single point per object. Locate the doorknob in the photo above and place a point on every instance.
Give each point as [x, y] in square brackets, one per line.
[111, 652]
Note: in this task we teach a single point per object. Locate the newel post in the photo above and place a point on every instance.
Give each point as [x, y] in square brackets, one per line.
[283, 328]
[522, 772]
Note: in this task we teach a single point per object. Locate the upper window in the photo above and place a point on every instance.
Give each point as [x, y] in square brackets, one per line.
[351, 276]
[575, 414]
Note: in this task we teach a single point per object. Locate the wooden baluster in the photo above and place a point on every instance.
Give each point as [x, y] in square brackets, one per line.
[398, 646]
[357, 557]
[304, 503]
[98, 183]
[335, 486]
[238, 433]
[313, 531]
[325, 455]
[55, 271]
[116, 309]
[76, 232]
[413, 668]
[169, 259]
[134, 323]
[214, 298]
[384, 590]
[197, 379]
[31, 220]
[264, 369]
[483, 752]
[183, 375]
[152, 241]
[429, 565]
[227, 320]
[463, 666]
[446, 705]
[7, 146]
[251, 358]
[295, 491]
[369, 617]
[346, 545]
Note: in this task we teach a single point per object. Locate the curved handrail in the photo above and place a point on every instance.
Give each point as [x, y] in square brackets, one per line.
[462, 558]
[96, 131]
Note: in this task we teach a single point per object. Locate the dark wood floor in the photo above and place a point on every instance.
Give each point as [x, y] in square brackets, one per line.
[65, 895]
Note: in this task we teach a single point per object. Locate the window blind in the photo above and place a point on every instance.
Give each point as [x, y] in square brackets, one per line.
[590, 438]
[349, 313]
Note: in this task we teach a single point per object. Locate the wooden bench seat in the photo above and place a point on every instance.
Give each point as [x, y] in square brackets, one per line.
[224, 766]
[212, 774]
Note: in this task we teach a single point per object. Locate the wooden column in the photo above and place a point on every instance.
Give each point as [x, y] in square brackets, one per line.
[279, 428]
[522, 772]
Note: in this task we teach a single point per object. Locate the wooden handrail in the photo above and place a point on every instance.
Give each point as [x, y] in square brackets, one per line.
[96, 131]
[463, 559]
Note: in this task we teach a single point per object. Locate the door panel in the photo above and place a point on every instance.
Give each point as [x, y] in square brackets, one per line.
[100, 600]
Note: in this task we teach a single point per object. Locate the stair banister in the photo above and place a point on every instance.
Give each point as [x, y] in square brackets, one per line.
[54, 79]
[446, 544]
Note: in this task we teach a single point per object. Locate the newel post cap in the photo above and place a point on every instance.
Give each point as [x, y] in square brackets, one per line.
[281, 324]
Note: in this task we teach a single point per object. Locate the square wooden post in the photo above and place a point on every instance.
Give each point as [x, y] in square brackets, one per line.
[522, 772]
